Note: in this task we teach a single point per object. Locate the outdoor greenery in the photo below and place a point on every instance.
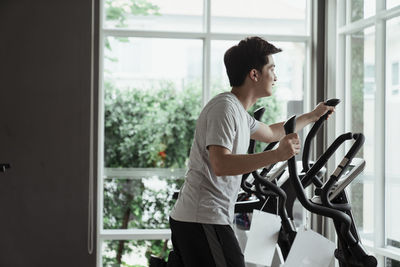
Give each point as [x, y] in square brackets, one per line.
[145, 129]
[134, 127]
[272, 112]
[118, 10]
[142, 126]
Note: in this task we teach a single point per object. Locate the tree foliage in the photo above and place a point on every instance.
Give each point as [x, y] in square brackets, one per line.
[151, 128]
[119, 10]
[145, 129]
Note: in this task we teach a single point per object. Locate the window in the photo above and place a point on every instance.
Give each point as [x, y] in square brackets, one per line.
[368, 78]
[392, 129]
[161, 61]
[362, 97]
[259, 16]
[391, 263]
[395, 78]
[395, 73]
[359, 9]
[155, 15]
[392, 3]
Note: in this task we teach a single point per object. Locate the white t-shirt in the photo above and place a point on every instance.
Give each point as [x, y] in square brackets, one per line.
[205, 197]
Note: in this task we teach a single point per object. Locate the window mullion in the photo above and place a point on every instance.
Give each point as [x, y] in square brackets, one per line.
[206, 70]
[379, 160]
[348, 12]
[347, 96]
[206, 53]
[207, 16]
[340, 78]
[381, 14]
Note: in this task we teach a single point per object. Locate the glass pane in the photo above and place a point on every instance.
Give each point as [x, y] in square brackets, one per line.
[392, 131]
[135, 253]
[143, 63]
[361, 9]
[157, 15]
[392, 3]
[395, 75]
[139, 203]
[152, 99]
[259, 16]
[219, 81]
[362, 120]
[391, 263]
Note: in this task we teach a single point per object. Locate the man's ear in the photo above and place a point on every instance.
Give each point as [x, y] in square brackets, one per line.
[254, 75]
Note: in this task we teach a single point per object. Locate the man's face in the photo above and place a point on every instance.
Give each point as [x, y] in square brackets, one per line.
[268, 76]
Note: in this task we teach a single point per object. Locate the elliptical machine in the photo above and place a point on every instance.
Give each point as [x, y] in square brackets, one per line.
[272, 186]
[330, 195]
[330, 198]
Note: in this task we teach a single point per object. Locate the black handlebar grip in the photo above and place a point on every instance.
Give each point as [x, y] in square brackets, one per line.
[259, 113]
[359, 142]
[312, 133]
[331, 102]
[290, 125]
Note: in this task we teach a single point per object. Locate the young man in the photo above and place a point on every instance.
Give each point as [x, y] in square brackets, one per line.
[201, 218]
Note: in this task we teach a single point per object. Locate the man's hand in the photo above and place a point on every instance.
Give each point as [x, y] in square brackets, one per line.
[289, 146]
[320, 110]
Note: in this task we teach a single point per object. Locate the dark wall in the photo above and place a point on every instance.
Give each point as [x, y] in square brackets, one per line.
[44, 132]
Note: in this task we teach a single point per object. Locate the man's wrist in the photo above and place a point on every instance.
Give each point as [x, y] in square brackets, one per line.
[277, 155]
[311, 117]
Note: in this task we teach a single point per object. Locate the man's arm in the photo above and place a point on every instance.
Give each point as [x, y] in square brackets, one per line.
[223, 162]
[275, 132]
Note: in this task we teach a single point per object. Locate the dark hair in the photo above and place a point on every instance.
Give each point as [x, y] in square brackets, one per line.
[250, 53]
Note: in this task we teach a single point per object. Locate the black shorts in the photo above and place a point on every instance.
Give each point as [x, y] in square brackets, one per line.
[205, 245]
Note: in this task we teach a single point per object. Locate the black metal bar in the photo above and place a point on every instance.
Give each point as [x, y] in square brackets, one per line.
[322, 160]
[336, 176]
[313, 132]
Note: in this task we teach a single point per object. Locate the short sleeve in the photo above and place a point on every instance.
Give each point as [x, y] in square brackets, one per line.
[253, 124]
[221, 127]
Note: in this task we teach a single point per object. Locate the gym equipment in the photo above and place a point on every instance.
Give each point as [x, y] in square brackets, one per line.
[271, 186]
[330, 194]
[267, 189]
[331, 200]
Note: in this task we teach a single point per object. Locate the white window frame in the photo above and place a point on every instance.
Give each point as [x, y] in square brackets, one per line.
[397, 85]
[340, 29]
[207, 36]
